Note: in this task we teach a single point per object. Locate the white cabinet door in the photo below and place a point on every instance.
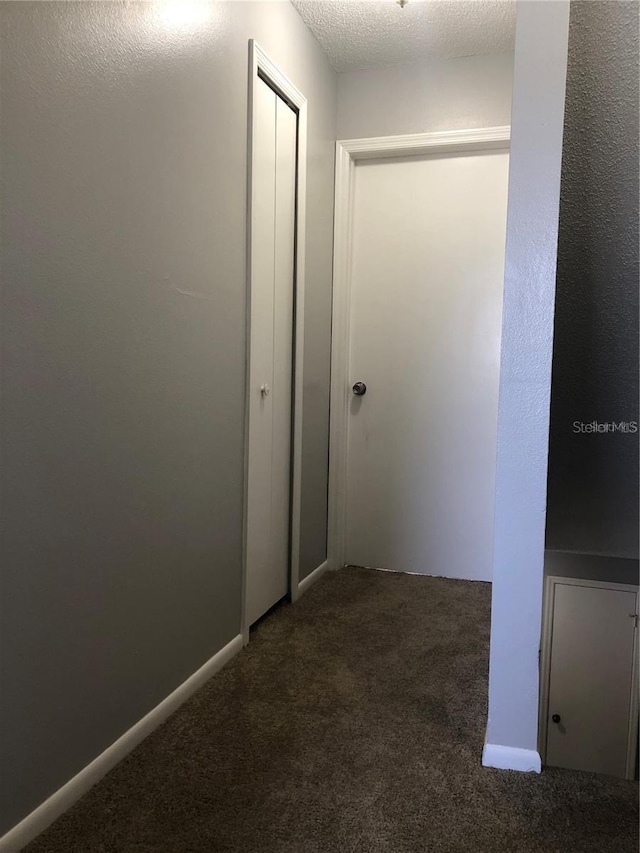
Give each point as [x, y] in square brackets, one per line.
[590, 680]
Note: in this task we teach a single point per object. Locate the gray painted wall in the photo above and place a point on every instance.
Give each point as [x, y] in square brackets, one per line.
[593, 477]
[123, 157]
[525, 377]
[450, 94]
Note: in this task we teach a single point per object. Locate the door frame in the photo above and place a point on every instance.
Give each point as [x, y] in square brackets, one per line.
[348, 152]
[261, 66]
[546, 642]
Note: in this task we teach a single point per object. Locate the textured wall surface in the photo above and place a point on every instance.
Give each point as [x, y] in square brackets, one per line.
[452, 94]
[525, 374]
[593, 477]
[123, 158]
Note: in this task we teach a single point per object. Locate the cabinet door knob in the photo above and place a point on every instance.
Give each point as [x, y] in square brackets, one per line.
[556, 718]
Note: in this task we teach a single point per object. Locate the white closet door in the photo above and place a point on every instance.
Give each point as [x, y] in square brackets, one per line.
[272, 259]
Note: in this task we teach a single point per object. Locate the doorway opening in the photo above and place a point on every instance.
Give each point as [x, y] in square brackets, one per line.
[417, 315]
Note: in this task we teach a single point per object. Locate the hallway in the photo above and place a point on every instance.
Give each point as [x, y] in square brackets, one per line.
[352, 722]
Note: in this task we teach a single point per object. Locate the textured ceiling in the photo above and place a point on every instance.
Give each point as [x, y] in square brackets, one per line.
[358, 34]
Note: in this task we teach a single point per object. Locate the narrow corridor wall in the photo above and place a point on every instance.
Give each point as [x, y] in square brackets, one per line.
[123, 156]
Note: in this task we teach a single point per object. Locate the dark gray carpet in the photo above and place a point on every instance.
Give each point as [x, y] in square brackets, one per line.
[354, 721]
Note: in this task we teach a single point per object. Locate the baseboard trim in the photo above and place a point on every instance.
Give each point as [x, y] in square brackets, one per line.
[511, 758]
[59, 802]
[419, 574]
[311, 578]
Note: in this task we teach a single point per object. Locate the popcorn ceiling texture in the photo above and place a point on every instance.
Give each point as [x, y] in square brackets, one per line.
[593, 478]
[358, 34]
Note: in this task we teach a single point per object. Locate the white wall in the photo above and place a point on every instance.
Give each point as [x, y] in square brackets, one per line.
[525, 382]
[449, 94]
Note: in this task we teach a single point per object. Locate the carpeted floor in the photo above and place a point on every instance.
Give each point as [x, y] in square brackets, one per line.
[354, 721]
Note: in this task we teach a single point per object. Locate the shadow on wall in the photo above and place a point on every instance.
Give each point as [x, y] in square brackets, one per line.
[593, 470]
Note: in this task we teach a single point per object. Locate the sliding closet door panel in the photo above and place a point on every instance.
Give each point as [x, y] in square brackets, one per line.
[283, 338]
[259, 549]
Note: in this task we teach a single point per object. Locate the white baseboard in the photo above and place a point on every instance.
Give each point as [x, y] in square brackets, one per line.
[39, 819]
[511, 758]
[311, 578]
[424, 574]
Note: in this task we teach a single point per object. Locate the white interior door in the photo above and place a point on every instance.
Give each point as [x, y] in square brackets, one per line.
[270, 373]
[590, 679]
[425, 326]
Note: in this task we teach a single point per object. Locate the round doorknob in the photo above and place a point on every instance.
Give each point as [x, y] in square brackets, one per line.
[556, 718]
[359, 389]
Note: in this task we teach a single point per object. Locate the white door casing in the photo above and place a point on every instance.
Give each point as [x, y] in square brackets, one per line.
[275, 336]
[417, 305]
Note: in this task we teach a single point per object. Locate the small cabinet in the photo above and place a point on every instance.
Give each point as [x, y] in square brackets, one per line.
[589, 703]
